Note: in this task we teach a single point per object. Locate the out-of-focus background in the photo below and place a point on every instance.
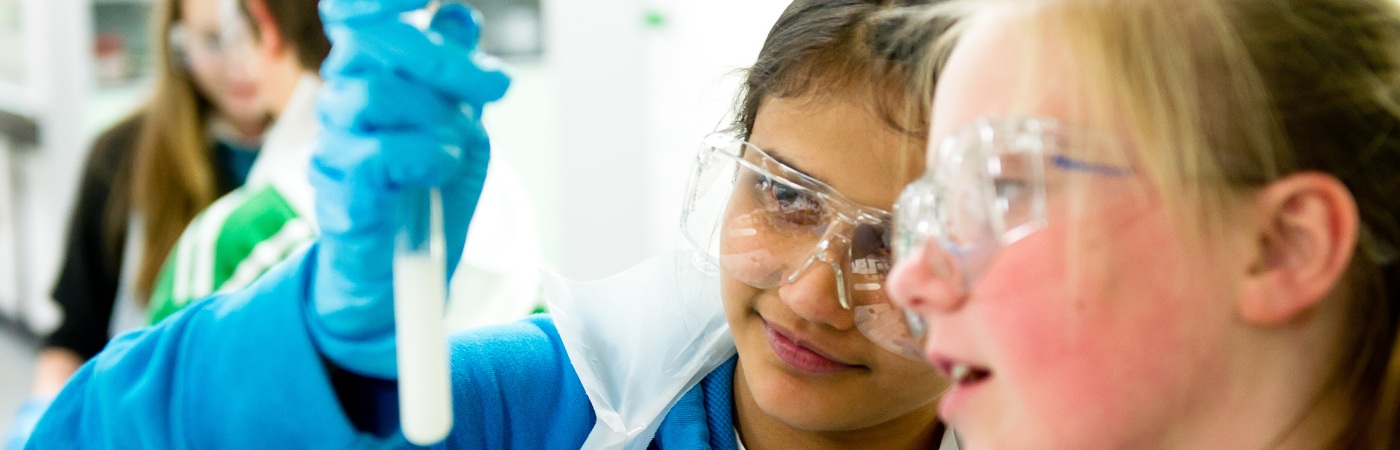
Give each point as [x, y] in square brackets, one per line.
[609, 101]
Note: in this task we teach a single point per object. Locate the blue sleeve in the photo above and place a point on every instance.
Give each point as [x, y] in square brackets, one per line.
[513, 387]
[234, 371]
[240, 371]
[518, 380]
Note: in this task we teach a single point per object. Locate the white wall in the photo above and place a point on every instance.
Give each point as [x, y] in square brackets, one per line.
[58, 84]
[605, 126]
[595, 51]
[10, 281]
[695, 65]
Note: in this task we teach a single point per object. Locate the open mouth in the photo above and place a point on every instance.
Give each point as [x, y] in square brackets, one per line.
[966, 378]
[964, 374]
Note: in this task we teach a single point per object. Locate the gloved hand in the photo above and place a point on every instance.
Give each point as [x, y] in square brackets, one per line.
[400, 109]
[25, 420]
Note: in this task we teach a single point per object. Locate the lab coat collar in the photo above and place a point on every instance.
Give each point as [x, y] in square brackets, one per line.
[639, 341]
[285, 157]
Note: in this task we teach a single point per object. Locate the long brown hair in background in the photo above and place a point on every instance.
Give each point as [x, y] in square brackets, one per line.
[173, 172]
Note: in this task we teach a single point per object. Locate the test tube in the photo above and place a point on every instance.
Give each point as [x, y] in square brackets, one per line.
[420, 295]
[420, 291]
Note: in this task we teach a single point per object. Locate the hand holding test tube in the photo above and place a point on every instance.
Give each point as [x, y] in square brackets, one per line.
[398, 171]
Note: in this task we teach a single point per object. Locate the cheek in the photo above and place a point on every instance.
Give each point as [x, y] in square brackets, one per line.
[1103, 337]
[739, 300]
[207, 79]
[748, 252]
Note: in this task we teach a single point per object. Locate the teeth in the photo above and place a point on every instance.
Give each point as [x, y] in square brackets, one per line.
[960, 372]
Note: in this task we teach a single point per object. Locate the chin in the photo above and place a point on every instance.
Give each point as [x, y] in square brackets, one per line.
[250, 110]
[802, 404]
[803, 411]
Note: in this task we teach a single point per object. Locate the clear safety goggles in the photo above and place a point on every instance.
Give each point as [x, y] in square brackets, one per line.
[988, 186]
[768, 225]
[229, 47]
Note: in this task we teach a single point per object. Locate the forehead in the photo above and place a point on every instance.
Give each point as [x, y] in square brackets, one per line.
[999, 68]
[841, 141]
[199, 12]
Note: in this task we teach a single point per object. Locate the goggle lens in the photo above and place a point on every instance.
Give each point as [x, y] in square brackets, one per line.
[768, 225]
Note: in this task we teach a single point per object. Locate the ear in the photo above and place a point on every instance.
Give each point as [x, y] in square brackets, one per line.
[1306, 233]
[270, 40]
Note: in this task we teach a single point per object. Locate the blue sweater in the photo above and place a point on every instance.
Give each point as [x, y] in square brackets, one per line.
[240, 371]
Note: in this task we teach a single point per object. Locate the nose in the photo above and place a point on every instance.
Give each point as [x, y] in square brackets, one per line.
[812, 296]
[928, 282]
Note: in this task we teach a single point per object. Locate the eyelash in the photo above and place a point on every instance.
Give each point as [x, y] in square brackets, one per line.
[800, 209]
[1010, 188]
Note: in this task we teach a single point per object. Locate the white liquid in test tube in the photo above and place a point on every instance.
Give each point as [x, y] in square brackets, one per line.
[420, 292]
[420, 296]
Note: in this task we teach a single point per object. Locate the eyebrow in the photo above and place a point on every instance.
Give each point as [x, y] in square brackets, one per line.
[823, 181]
[774, 153]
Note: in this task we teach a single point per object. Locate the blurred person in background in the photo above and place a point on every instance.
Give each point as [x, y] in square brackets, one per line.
[257, 225]
[1167, 225]
[247, 230]
[193, 140]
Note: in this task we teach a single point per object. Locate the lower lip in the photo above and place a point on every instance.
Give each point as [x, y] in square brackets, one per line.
[957, 396]
[242, 91]
[800, 358]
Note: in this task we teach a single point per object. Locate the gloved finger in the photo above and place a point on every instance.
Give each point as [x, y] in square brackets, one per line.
[459, 206]
[335, 12]
[465, 76]
[454, 23]
[347, 56]
[343, 60]
[391, 160]
[457, 23]
[461, 192]
[380, 102]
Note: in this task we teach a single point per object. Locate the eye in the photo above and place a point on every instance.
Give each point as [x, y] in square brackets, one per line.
[871, 241]
[1010, 188]
[790, 204]
[209, 41]
[1013, 200]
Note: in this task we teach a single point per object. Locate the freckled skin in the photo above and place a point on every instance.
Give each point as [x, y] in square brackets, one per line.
[1060, 359]
[1101, 330]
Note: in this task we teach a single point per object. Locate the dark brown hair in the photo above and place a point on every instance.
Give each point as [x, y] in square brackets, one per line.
[842, 47]
[299, 22]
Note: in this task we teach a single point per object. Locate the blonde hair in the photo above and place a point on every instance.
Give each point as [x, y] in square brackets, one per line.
[1224, 97]
[173, 172]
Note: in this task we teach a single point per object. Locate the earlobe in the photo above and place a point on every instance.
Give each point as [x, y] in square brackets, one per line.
[1306, 233]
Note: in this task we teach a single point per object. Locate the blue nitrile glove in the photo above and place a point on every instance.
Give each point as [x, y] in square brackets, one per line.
[400, 109]
[25, 420]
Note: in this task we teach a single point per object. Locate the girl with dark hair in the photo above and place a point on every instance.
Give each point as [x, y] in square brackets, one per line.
[772, 331]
